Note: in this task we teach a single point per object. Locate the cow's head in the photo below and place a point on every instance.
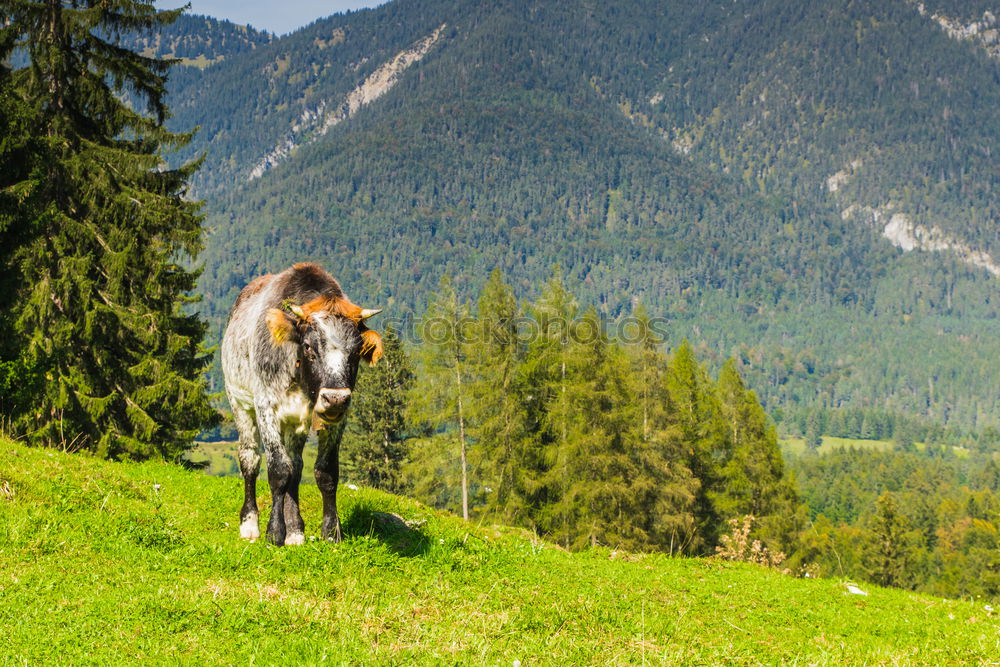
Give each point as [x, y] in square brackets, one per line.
[331, 338]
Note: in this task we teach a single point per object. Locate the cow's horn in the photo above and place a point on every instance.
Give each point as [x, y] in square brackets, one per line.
[297, 311]
[368, 312]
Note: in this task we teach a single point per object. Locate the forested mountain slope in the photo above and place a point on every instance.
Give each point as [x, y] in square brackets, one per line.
[746, 170]
[199, 40]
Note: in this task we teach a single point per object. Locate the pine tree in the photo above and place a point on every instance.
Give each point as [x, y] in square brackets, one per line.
[441, 399]
[696, 419]
[754, 479]
[547, 371]
[374, 445]
[508, 453]
[21, 156]
[885, 554]
[665, 488]
[101, 308]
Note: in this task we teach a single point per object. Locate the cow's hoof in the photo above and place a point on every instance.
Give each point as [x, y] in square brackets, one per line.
[249, 530]
[295, 540]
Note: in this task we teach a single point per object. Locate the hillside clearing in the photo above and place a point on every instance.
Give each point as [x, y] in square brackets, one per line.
[797, 446]
[99, 564]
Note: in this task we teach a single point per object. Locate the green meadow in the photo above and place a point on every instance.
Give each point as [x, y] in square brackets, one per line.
[797, 446]
[105, 562]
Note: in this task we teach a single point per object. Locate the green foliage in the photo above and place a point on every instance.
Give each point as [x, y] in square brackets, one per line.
[585, 439]
[499, 406]
[197, 41]
[439, 401]
[718, 449]
[375, 442]
[754, 479]
[921, 520]
[873, 424]
[592, 444]
[666, 488]
[884, 555]
[19, 202]
[98, 236]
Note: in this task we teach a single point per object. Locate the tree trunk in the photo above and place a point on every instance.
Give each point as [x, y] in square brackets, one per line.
[461, 440]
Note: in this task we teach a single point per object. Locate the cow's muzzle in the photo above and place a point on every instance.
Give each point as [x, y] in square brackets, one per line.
[331, 404]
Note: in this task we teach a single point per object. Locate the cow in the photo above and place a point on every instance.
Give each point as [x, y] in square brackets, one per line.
[290, 357]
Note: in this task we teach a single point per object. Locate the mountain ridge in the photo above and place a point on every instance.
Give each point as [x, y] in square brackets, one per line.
[679, 156]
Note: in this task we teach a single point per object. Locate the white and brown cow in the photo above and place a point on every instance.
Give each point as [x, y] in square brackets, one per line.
[290, 356]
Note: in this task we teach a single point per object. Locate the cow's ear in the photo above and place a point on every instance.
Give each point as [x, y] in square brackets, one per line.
[371, 346]
[281, 326]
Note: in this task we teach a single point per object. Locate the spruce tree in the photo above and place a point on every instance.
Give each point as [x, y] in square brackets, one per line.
[593, 434]
[885, 553]
[814, 432]
[103, 278]
[508, 455]
[603, 454]
[753, 479]
[665, 489]
[375, 443]
[696, 419]
[21, 156]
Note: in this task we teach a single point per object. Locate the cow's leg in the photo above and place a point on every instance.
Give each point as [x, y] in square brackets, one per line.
[327, 474]
[249, 456]
[279, 472]
[294, 525]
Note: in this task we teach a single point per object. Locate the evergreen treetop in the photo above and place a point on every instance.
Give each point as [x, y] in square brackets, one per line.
[102, 279]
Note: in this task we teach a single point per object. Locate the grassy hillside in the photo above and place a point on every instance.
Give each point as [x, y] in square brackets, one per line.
[99, 564]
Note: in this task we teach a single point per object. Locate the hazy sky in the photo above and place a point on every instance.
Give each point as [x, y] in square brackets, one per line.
[278, 16]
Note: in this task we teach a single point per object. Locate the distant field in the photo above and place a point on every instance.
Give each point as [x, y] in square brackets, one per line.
[105, 563]
[220, 459]
[798, 445]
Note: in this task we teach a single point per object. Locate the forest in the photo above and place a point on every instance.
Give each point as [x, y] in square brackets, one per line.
[544, 416]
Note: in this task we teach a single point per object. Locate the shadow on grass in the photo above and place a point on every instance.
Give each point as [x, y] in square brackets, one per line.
[391, 529]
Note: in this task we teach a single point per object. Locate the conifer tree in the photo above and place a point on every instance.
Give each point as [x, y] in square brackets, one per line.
[647, 364]
[375, 443]
[547, 369]
[814, 433]
[594, 442]
[904, 436]
[697, 420]
[885, 554]
[665, 488]
[753, 479]
[20, 156]
[441, 399]
[509, 460]
[100, 310]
